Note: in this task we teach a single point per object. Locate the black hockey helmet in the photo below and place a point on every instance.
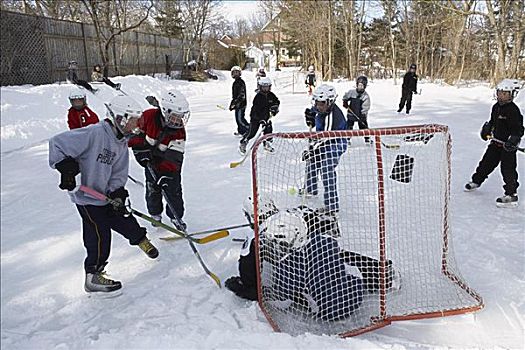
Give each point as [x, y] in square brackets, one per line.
[361, 82]
[413, 66]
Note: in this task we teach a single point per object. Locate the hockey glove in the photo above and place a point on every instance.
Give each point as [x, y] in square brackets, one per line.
[274, 109]
[164, 181]
[486, 131]
[152, 100]
[232, 106]
[143, 156]
[119, 196]
[512, 143]
[345, 103]
[68, 169]
[308, 153]
[309, 115]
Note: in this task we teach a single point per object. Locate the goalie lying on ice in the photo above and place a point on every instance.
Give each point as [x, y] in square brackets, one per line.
[303, 266]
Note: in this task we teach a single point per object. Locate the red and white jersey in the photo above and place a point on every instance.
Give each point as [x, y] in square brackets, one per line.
[169, 150]
[80, 118]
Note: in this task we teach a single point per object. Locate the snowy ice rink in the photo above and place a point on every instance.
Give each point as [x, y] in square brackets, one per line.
[170, 302]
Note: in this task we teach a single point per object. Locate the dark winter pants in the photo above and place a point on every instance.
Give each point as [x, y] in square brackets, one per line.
[97, 223]
[242, 123]
[362, 122]
[326, 167]
[84, 84]
[406, 96]
[492, 157]
[254, 126]
[109, 82]
[173, 191]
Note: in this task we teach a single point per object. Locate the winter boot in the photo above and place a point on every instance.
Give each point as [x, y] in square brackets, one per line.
[407, 112]
[97, 282]
[268, 147]
[399, 110]
[235, 285]
[148, 248]
[507, 201]
[157, 218]
[471, 186]
[179, 224]
[242, 148]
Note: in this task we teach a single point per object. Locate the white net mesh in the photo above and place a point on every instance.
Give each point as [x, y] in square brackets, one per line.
[359, 235]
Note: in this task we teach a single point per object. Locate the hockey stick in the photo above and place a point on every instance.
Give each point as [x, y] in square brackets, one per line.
[521, 149]
[391, 146]
[98, 195]
[135, 181]
[215, 231]
[221, 107]
[184, 234]
[247, 154]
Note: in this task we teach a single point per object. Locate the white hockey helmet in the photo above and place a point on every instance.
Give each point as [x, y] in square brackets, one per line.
[513, 86]
[236, 71]
[125, 113]
[175, 109]
[311, 68]
[324, 93]
[265, 84]
[77, 98]
[285, 230]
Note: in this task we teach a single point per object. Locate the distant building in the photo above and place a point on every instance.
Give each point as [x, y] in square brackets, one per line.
[274, 45]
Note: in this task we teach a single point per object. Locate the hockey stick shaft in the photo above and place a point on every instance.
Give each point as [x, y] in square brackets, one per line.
[185, 235]
[95, 194]
[135, 181]
[243, 159]
[216, 231]
[210, 238]
[360, 122]
[521, 149]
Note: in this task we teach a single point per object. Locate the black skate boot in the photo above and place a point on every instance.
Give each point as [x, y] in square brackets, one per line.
[507, 201]
[97, 282]
[242, 148]
[471, 186]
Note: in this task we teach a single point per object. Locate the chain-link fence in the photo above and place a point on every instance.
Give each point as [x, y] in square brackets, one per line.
[36, 50]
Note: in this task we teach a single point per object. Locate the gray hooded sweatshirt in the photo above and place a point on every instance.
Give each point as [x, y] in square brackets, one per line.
[103, 159]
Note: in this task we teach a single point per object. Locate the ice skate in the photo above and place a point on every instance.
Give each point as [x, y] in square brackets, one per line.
[471, 186]
[179, 224]
[97, 282]
[242, 148]
[157, 218]
[507, 201]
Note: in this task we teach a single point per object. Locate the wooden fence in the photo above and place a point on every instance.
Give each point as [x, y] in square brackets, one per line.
[36, 50]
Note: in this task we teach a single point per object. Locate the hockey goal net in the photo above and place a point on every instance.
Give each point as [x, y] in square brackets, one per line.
[352, 235]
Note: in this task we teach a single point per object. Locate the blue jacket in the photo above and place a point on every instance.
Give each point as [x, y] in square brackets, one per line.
[331, 121]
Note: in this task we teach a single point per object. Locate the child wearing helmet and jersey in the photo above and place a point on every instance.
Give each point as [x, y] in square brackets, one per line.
[238, 102]
[160, 149]
[100, 154]
[322, 155]
[310, 79]
[357, 103]
[79, 114]
[265, 105]
[302, 263]
[504, 129]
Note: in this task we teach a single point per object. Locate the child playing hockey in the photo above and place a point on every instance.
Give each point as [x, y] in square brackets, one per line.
[238, 103]
[100, 154]
[260, 74]
[79, 114]
[357, 103]
[98, 76]
[160, 149]
[322, 156]
[306, 264]
[408, 88]
[504, 129]
[265, 104]
[310, 79]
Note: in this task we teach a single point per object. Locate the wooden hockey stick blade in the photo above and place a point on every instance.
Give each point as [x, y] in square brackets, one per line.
[210, 238]
[392, 146]
[221, 107]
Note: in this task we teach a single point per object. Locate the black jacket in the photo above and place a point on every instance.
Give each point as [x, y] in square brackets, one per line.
[261, 105]
[410, 82]
[506, 120]
[238, 94]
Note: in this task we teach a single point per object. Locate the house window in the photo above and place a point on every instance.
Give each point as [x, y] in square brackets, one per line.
[283, 51]
[271, 52]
